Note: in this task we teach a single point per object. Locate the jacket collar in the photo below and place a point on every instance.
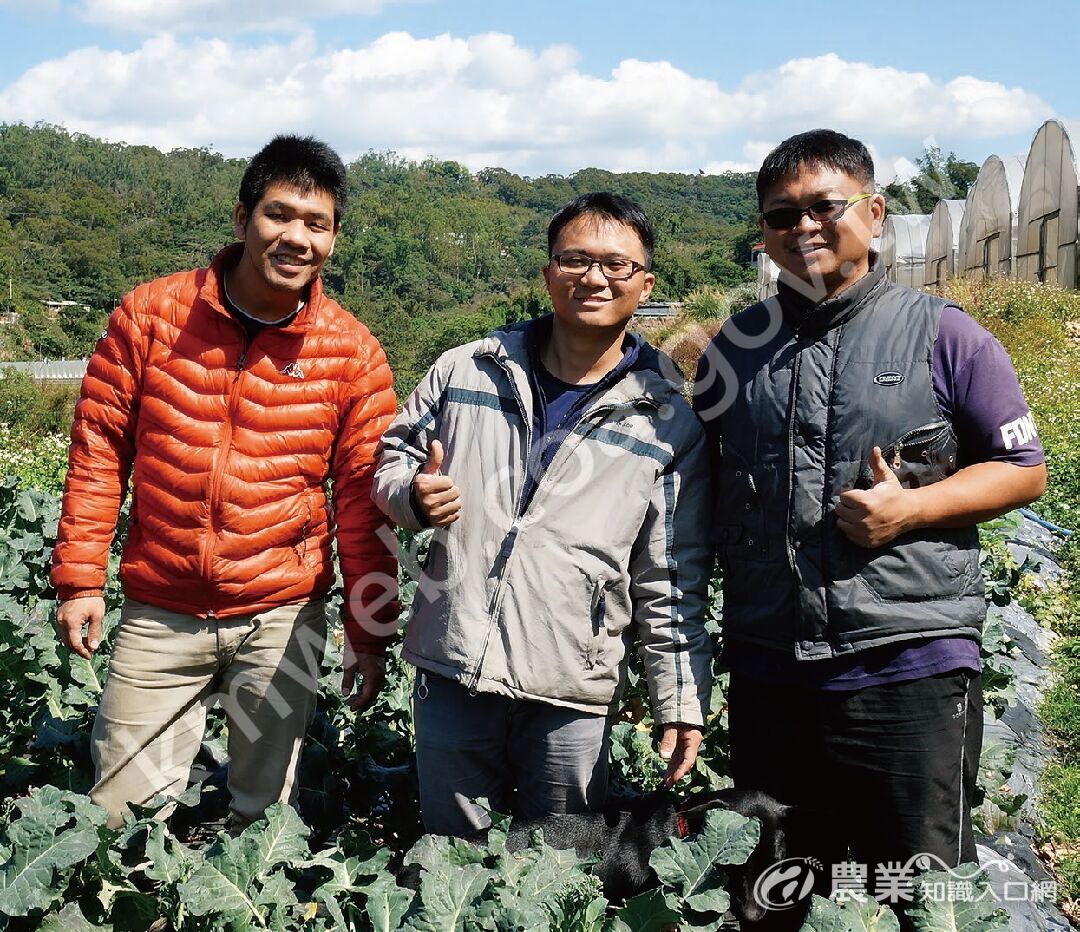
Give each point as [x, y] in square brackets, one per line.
[806, 316]
[650, 376]
[212, 290]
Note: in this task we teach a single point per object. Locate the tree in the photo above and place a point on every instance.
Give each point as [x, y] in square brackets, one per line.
[940, 177]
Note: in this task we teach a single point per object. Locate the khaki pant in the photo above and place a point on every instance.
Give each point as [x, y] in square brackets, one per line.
[165, 672]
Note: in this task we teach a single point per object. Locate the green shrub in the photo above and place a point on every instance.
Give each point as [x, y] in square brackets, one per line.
[1031, 321]
[38, 461]
[38, 409]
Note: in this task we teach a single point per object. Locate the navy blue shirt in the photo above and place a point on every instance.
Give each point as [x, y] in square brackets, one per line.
[558, 405]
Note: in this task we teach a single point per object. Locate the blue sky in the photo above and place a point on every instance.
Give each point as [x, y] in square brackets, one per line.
[684, 86]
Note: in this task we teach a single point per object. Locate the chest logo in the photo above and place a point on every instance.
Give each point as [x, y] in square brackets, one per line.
[888, 378]
[293, 370]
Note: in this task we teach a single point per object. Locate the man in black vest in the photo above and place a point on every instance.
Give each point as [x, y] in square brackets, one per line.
[862, 429]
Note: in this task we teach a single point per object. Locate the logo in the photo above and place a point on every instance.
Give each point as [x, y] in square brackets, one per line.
[293, 370]
[786, 883]
[888, 378]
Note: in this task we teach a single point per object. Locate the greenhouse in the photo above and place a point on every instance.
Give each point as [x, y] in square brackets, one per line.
[1047, 214]
[903, 241]
[988, 230]
[767, 275]
[942, 239]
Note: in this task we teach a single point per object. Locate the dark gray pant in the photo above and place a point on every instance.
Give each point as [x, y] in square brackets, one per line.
[896, 764]
[529, 759]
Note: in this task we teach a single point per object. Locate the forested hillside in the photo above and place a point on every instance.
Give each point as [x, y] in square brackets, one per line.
[428, 255]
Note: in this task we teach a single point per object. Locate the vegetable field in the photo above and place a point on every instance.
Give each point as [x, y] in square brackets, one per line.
[332, 864]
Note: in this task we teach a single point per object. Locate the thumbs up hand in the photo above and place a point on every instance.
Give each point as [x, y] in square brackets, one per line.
[873, 517]
[437, 498]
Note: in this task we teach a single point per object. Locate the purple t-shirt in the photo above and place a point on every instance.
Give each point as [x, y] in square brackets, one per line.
[978, 392]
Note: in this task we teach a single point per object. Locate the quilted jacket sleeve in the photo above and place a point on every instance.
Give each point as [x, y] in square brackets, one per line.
[670, 568]
[100, 457]
[404, 448]
[366, 543]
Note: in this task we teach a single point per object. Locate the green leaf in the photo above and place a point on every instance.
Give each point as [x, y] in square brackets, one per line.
[647, 912]
[26, 882]
[283, 840]
[169, 860]
[942, 902]
[70, 919]
[433, 852]
[686, 868]
[26, 508]
[853, 915]
[333, 909]
[277, 891]
[386, 903]
[345, 870]
[446, 897]
[223, 882]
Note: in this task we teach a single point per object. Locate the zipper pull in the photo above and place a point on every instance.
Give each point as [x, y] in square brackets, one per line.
[896, 456]
[243, 358]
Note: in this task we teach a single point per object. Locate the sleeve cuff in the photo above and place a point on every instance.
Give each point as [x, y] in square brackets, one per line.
[67, 593]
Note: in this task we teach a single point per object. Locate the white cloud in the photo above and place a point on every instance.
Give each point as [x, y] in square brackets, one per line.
[828, 90]
[488, 100]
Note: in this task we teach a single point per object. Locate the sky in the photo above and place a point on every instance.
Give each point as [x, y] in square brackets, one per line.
[540, 88]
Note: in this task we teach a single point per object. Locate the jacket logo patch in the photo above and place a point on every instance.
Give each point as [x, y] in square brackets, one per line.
[293, 370]
[888, 378]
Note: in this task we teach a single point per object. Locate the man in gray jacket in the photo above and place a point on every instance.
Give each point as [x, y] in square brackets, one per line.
[568, 483]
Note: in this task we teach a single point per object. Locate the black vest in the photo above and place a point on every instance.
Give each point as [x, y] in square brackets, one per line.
[798, 404]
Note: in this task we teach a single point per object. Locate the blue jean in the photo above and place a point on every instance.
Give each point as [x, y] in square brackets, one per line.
[529, 759]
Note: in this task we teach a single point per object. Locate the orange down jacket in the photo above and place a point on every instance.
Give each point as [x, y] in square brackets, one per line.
[229, 447]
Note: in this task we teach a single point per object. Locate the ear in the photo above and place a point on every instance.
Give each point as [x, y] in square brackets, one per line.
[647, 285]
[240, 220]
[546, 272]
[877, 214]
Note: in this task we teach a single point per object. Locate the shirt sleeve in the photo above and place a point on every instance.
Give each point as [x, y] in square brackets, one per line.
[978, 392]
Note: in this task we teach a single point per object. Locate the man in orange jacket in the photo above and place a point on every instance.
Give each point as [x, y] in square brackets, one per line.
[229, 396]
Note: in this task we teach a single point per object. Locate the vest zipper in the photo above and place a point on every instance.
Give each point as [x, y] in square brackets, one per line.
[788, 543]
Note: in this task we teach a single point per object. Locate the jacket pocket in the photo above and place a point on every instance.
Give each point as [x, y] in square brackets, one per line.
[738, 525]
[598, 617]
[918, 457]
[300, 548]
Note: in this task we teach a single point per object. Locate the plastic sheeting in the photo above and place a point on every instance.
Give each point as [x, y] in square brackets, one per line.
[903, 241]
[1046, 222]
[988, 230]
[942, 242]
[768, 271]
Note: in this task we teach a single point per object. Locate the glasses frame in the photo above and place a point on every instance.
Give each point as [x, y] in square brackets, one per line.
[809, 210]
[635, 267]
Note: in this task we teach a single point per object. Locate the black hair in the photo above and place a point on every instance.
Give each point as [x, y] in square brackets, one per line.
[302, 162]
[608, 206]
[816, 149]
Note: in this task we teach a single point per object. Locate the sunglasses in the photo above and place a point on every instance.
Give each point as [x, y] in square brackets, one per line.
[824, 211]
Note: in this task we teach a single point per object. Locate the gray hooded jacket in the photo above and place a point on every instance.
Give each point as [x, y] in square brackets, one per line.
[541, 600]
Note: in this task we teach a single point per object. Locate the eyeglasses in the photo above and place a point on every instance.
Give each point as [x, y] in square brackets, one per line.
[826, 211]
[614, 269]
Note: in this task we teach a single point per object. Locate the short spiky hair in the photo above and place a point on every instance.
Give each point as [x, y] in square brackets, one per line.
[607, 206]
[818, 148]
[303, 162]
